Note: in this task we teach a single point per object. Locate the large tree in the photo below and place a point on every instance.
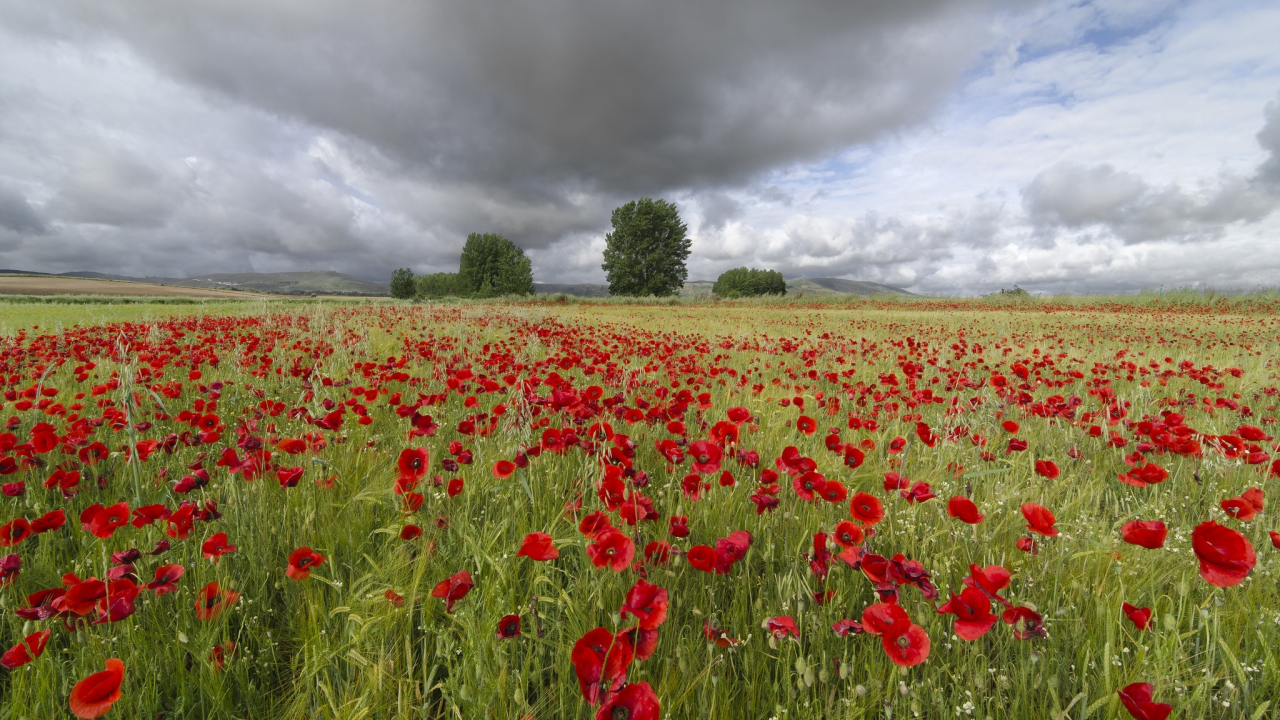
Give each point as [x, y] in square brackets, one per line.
[492, 265]
[645, 253]
[402, 285]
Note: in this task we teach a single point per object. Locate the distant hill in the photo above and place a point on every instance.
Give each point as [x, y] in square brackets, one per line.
[323, 282]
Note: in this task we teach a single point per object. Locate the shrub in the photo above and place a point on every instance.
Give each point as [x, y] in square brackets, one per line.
[492, 265]
[749, 282]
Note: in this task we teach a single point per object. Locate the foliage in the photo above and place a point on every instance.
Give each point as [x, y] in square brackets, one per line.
[749, 282]
[283, 424]
[492, 265]
[402, 285]
[438, 285]
[646, 252]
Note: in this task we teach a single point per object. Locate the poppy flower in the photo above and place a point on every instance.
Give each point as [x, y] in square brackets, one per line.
[678, 526]
[31, 647]
[972, 609]
[414, 462]
[509, 627]
[102, 521]
[289, 477]
[894, 481]
[10, 566]
[216, 546]
[1136, 698]
[692, 486]
[1144, 475]
[91, 454]
[730, 550]
[453, 588]
[647, 603]
[808, 485]
[1226, 556]
[806, 425]
[897, 444]
[866, 508]
[636, 701]
[219, 654]
[212, 600]
[1275, 539]
[148, 514]
[853, 457]
[907, 649]
[1149, 534]
[833, 491]
[1028, 545]
[503, 469]
[166, 579]
[454, 487]
[1246, 507]
[1010, 427]
[717, 635]
[706, 456]
[1015, 445]
[1048, 469]
[846, 627]
[538, 546]
[14, 532]
[963, 509]
[613, 549]
[990, 580]
[301, 561]
[848, 534]
[82, 596]
[394, 598]
[410, 532]
[1039, 519]
[782, 626]
[600, 661]
[52, 520]
[1027, 623]
[702, 557]
[1141, 617]
[595, 523]
[918, 492]
[93, 696]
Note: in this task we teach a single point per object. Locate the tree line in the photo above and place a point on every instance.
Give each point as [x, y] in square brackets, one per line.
[644, 255]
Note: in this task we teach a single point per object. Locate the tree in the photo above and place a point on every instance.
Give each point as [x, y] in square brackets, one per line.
[749, 282]
[437, 285]
[402, 285]
[645, 253]
[492, 265]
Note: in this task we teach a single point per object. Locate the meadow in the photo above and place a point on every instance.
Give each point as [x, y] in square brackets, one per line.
[882, 508]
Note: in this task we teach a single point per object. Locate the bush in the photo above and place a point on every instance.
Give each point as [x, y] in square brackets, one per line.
[402, 285]
[437, 285]
[492, 265]
[645, 253]
[749, 282]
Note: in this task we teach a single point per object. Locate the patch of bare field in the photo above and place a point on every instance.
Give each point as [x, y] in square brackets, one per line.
[44, 285]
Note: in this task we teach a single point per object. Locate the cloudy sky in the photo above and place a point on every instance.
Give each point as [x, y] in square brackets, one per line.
[944, 146]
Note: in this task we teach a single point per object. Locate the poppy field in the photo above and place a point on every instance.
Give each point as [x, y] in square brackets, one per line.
[879, 509]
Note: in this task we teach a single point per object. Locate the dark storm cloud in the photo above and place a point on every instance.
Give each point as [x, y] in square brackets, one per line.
[16, 213]
[545, 98]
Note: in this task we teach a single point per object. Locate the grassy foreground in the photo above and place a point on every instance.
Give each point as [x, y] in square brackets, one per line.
[919, 388]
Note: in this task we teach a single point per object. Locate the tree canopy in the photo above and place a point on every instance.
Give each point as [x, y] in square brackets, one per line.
[492, 265]
[749, 282]
[402, 285]
[645, 253]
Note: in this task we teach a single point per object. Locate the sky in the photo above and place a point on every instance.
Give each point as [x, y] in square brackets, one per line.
[941, 146]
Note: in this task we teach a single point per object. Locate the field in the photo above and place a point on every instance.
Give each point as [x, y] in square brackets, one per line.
[52, 285]
[879, 508]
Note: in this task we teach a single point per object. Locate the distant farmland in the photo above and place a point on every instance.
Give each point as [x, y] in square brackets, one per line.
[56, 285]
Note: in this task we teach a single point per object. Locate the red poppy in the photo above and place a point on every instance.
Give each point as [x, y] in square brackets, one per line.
[963, 509]
[847, 627]
[1246, 507]
[782, 626]
[853, 457]
[538, 546]
[31, 647]
[907, 649]
[1010, 427]
[1136, 698]
[14, 532]
[454, 487]
[613, 549]
[600, 661]
[1015, 445]
[866, 508]
[918, 492]
[10, 566]
[93, 696]
[103, 521]
[706, 456]
[897, 444]
[1146, 533]
[647, 603]
[1141, 617]
[212, 600]
[410, 532]
[509, 627]
[972, 609]
[848, 534]
[414, 462]
[181, 522]
[990, 579]
[806, 425]
[453, 589]
[289, 477]
[503, 469]
[636, 701]
[730, 550]
[166, 579]
[1144, 475]
[808, 485]
[1226, 556]
[1039, 519]
[702, 557]
[678, 526]
[216, 546]
[717, 635]
[1275, 539]
[1027, 623]
[301, 561]
[1048, 469]
[82, 596]
[93, 453]
[393, 597]
[148, 514]
[1028, 545]
[595, 523]
[894, 481]
[219, 654]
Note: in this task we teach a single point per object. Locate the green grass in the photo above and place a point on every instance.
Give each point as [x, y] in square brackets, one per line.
[333, 647]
